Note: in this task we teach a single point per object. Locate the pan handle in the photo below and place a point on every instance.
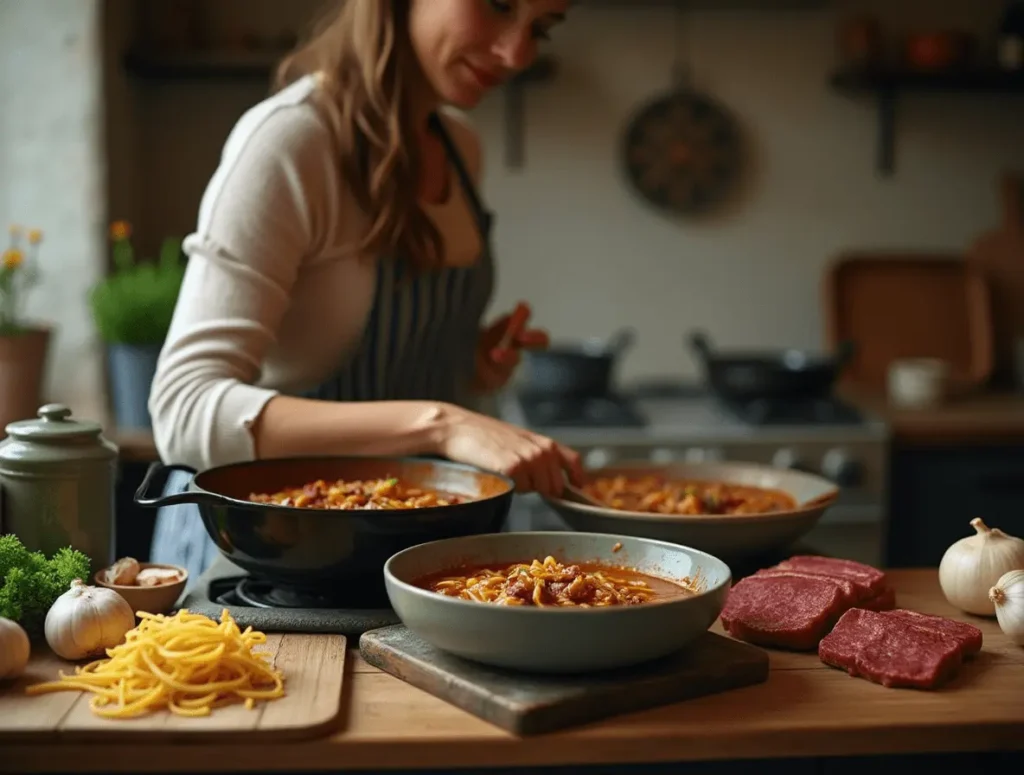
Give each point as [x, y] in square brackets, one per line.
[172, 499]
[701, 345]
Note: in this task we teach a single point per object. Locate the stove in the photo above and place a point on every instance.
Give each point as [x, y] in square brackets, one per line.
[554, 411]
[683, 422]
[814, 411]
[268, 607]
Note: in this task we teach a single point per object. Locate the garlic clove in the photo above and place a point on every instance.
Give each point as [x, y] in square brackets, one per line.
[86, 621]
[154, 577]
[123, 572]
[1007, 596]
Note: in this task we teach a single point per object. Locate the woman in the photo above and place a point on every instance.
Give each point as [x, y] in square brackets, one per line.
[341, 264]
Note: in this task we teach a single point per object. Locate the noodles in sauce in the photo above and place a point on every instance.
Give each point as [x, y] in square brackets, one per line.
[655, 495]
[551, 583]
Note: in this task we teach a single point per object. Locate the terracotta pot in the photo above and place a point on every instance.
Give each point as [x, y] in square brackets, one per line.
[22, 374]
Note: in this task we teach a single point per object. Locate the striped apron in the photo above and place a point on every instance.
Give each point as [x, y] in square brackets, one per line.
[419, 343]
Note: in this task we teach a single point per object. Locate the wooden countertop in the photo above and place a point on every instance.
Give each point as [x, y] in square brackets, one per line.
[804, 709]
[980, 418]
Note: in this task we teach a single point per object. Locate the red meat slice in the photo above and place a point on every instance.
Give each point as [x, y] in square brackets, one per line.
[852, 591]
[883, 601]
[857, 572]
[792, 612]
[966, 635]
[890, 651]
[841, 646]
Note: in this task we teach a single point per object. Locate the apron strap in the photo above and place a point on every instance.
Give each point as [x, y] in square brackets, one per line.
[480, 213]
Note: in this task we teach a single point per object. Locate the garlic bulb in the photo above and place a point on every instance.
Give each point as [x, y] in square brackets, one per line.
[972, 565]
[85, 621]
[14, 649]
[1008, 598]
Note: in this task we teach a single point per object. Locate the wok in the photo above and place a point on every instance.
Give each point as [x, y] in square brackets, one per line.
[583, 369]
[731, 537]
[784, 374]
[315, 549]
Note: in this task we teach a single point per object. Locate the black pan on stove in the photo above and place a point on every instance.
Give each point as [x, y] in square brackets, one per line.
[321, 549]
[786, 375]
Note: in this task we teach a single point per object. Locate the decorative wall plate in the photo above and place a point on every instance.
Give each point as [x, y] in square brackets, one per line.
[683, 153]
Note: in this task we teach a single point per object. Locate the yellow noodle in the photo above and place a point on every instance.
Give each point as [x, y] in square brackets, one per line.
[186, 663]
[492, 586]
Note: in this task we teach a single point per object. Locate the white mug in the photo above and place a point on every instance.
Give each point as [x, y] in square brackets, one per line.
[918, 382]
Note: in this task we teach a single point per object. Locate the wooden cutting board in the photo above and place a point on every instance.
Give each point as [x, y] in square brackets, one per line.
[526, 704]
[313, 666]
[909, 305]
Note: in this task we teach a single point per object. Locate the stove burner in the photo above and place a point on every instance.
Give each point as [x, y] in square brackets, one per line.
[551, 411]
[812, 411]
[255, 602]
[261, 593]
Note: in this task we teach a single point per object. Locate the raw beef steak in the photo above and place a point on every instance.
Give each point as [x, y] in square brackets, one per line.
[890, 651]
[792, 612]
[851, 591]
[966, 635]
[871, 578]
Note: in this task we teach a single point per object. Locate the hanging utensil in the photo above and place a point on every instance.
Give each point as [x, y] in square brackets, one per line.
[683, 151]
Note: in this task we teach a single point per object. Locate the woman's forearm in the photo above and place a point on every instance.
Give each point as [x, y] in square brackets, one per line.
[293, 427]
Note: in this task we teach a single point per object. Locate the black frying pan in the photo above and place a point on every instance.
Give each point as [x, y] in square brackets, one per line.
[316, 549]
[581, 369]
[783, 374]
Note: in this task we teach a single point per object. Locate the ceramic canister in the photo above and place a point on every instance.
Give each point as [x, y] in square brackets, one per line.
[57, 484]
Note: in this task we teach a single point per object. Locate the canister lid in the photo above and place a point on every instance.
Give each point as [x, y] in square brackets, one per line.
[53, 426]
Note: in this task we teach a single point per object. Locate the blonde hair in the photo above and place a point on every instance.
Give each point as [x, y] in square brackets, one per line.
[368, 71]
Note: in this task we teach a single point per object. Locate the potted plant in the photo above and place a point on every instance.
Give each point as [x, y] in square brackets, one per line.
[23, 346]
[132, 309]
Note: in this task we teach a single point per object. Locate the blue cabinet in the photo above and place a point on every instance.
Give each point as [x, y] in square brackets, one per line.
[934, 493]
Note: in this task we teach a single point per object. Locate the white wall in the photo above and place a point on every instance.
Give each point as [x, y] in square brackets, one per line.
[52, 173]
[589, 255]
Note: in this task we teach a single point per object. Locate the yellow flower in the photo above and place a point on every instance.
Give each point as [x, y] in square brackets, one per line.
[11, 258]
[35, 236]
[120, 230]
[14, 230]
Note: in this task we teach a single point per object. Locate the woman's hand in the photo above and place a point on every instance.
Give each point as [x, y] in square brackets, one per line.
[497, 354]
[535, 462]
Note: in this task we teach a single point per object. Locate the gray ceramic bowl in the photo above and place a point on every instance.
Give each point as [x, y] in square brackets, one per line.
[556, 640]
[729, 537]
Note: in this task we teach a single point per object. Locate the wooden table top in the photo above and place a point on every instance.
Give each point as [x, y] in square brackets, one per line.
[804, 709]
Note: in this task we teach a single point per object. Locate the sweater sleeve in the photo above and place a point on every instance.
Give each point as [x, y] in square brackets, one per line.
[262, 214]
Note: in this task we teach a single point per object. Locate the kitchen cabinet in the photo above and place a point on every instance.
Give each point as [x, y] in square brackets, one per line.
[935, 491]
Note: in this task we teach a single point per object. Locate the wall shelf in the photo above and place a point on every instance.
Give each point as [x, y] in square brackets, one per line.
[886, 86]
